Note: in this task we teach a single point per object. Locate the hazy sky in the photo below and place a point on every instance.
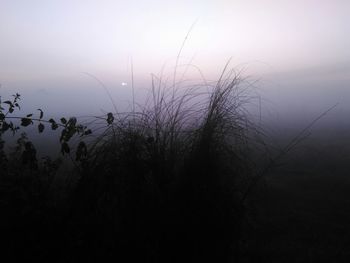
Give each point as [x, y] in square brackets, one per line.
[46, 44]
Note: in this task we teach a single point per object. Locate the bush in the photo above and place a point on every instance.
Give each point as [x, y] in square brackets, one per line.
[162, 183]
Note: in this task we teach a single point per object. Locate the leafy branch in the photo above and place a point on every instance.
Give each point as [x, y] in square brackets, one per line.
[69, 127]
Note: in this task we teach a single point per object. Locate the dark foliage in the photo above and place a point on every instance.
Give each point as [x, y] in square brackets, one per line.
[163, 184]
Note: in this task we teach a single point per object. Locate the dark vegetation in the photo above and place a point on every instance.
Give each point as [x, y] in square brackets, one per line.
[174, 180]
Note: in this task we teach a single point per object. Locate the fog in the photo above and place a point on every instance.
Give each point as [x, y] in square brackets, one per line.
[267, 181]
[295, 54]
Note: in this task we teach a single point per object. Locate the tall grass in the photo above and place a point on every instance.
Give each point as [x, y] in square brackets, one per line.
[167, 181]
[164, 181]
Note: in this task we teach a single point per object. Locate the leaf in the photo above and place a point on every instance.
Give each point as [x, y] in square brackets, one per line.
[29, 115]
[63, 135]
[64, 121]
[65, 148]
[13, 128]
[80, 128]
[5, 126]
[81, 151]
[2, 116]
[26, 121]
[8, 102]
[11, 109]
[87, 132]
[41, 114]
[41, 127]
[72, 121]
[54, 125]
[110, 118]
[69, 134]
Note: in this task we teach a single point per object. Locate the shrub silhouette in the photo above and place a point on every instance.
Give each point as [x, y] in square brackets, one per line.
[163, 183]
[166, 181]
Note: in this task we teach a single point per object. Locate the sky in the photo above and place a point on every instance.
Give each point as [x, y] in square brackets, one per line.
[297, 50]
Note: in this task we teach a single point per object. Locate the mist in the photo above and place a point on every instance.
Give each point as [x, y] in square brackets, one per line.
[175, 131]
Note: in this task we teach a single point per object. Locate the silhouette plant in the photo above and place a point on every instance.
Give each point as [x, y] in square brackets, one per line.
[166, 182]
[69, 128]
[167, 179]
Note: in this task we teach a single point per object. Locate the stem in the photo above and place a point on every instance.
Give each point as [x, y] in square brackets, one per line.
[36, 119]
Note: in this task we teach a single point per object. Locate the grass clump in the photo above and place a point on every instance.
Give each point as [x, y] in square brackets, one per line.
[161, 183]
[169, 178]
